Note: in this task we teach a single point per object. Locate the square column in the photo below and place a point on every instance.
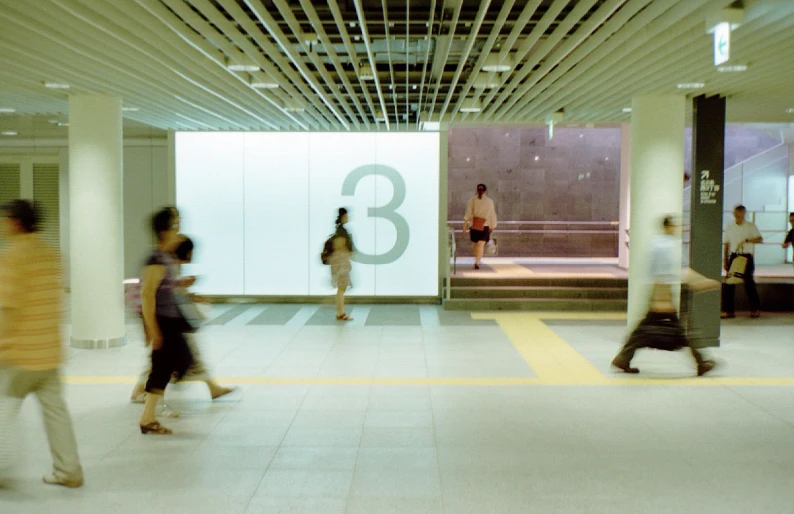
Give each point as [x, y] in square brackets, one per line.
[705, 242]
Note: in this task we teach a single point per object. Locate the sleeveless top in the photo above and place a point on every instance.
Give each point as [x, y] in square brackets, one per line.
[166, 301]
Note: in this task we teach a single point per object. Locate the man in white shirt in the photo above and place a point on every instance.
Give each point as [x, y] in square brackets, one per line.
[661, 329]
[740, 240]
[481, 217]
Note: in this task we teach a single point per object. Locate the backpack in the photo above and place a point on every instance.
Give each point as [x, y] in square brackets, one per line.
[328, 249]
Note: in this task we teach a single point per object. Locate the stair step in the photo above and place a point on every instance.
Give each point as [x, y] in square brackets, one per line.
[534, 304]
[538, 282]
[592, 293]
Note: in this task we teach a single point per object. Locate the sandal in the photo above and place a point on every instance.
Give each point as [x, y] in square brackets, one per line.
[155, 428]
[343, 317]
[224, 392]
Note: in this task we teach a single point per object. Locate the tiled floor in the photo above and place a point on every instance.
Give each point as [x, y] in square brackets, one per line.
[414, 410]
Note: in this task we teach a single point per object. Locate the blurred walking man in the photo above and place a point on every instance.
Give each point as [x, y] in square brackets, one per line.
[30, 333]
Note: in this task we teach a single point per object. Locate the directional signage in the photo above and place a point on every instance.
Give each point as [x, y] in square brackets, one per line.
[722, 43]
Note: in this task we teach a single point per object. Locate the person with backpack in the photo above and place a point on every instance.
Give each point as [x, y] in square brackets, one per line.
[337, 253]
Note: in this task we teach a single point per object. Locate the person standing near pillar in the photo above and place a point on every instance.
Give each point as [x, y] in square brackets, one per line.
[481, 219]
[790, 236]
[740, 240]
[31, 349]
[661, 329]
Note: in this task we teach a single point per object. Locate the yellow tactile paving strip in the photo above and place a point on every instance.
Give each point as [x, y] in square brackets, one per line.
[553, 361]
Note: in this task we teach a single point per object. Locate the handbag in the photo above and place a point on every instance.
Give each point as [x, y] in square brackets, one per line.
[491, 249]
[737, 270]
[478, 224]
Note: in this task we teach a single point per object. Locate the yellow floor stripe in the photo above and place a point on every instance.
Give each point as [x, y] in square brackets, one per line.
[550, 357]
[464, 381]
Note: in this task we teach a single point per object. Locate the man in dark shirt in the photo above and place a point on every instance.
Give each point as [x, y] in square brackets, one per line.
[790, 237]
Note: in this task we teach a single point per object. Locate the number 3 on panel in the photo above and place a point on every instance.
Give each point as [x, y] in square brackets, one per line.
[387, 211]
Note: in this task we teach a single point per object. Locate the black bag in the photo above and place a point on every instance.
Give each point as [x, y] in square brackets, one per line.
[659, 332]
[328, 249]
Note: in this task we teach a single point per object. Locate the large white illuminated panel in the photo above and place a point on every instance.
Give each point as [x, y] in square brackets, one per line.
[407, 226]
[332, 158]
[261, 206]
[210, 191]
[276, 200]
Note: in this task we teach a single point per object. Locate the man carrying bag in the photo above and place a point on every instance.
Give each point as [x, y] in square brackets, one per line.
[662, 329]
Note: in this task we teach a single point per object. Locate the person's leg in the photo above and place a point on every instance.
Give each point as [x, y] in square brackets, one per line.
[162, 370]
[14, 387]
[139, 391]
[479, 251]
[636, 341]
[750, 287]
[728, 300]
[340, 301]
[67, 470]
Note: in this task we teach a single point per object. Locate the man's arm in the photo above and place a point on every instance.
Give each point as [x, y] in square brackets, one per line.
[727, 258]
[756, 237]
[10, 294]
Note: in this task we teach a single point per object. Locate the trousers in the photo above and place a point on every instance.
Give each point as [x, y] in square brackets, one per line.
[729, 290]
[661, 331]
[46, 385]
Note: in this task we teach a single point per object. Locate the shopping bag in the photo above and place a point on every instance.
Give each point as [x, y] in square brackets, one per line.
[491, 249]
[736, 271]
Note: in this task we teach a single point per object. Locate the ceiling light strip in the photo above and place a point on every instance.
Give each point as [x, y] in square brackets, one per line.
[314, 19]
[610, 24]
[295, 26]
[644, 32]
[507, 7]
[451, 38]
[385, 8]
[550, 52]
[429, 40]
[272, 27]
[528, 43]
[475, 30]
[351, 50]
[362, 21]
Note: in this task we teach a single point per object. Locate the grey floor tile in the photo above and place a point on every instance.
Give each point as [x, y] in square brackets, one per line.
[401, 315]
[229, 315]
[276, 315]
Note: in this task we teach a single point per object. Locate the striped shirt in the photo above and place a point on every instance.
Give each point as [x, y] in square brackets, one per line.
[31, 304]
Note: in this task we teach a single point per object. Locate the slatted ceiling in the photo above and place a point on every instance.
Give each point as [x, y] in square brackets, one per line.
[46, 194]
[588, 57]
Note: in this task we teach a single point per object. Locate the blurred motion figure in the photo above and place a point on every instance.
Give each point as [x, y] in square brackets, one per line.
[661, 329]
[31, 316]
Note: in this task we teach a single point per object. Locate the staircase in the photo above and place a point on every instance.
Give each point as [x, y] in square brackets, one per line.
[538, 294]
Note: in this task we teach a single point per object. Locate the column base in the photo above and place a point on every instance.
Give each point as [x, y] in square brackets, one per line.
[98, 344]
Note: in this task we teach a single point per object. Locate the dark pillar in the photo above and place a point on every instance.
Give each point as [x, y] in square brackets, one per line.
[705, 246]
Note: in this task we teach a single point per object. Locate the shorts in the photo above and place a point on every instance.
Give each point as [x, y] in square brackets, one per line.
[480, 235]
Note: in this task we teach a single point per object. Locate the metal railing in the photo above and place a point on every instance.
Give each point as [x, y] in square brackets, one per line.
[530, 227]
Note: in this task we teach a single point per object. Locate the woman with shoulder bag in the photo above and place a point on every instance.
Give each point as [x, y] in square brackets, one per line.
[481, 219]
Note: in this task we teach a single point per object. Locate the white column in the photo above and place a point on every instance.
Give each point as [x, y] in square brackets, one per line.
[624, 216]
[657, 170]
[96, 221]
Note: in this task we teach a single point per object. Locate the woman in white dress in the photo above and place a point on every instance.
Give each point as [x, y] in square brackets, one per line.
[340, 261]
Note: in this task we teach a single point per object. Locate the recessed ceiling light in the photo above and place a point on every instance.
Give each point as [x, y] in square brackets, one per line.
[242, 67]
[495, 63]
[56, 85]
[471, 105]
[790, 110]
[732, 67]
[691, 85]
[62, 124]
[627, 109]
[366, 73]
[486, 81]
[537, 158]
[379, 116]
[130, 109]
[267, 83]
[9, 133]
[292, 106]
[7, 110]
